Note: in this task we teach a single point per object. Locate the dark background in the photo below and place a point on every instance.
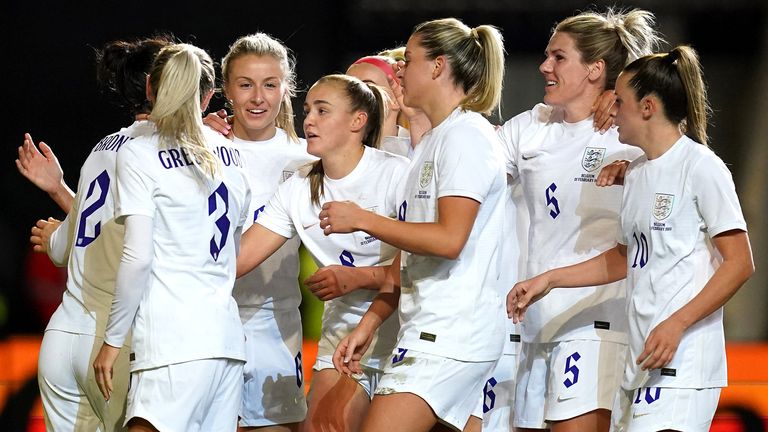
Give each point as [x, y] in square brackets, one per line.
[49, 87]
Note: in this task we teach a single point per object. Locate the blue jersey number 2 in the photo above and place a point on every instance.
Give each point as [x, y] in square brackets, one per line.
[102, 181]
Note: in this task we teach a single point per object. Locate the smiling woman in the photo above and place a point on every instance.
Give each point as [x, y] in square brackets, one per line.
[570, 336]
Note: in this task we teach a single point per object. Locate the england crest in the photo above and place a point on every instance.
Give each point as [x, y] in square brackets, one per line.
[662, 206]
[593, 158]
[286, 175]
[426, 174]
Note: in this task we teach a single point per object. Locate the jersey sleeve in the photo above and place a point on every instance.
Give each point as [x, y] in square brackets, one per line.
[509, 134]
[135, 185]
[466, 164]
[132, 278]
[60, 243]
[276, 216]
[396, 189]
[715, 194]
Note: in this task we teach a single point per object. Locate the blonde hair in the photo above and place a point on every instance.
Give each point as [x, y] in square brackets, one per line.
[180, 78]
[476, 57]
[396, 54]
[262, 44]
[616, 37]
[676, 79]
[368, 98]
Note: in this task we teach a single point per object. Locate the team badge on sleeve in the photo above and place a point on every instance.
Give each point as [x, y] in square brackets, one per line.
[662, 206]
[426, 174]
[593, 158]
[286, 175]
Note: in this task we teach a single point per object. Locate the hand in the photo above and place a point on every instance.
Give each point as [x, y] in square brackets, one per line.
[102, 367]
[661, 345]
[41, 234]
[346, 358]
[525, 293]
[41, 167]
[613, 173]
[330, 282]
[604, 111]
[340, 217]
[220, 122]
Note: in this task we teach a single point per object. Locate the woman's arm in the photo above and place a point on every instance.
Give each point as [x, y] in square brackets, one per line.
[737, 267]
[256, 245]
[609, 266]
[335, 281]
[443, 238]
[42, 168]
[131, 282]
[346, 358]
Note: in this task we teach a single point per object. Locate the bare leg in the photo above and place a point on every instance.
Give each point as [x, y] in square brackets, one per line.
[336, 403]
[399, 412]
[597, 420]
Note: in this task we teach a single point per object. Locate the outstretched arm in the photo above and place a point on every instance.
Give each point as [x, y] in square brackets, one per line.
[42, 168]
[346, 358]
[334, 281]
[609, 266]
[444, 238]
[256, 245]
[737, 267]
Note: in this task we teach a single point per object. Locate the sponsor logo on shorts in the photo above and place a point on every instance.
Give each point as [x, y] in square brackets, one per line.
[429, 337]
[668, 372]
[514, 338]
[603, 325]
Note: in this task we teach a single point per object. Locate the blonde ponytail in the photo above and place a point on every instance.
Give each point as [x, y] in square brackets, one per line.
[180, 77]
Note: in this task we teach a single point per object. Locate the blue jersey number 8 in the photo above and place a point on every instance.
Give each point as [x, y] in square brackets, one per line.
[102, 180]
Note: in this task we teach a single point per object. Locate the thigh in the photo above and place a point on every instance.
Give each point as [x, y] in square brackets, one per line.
[584, 377]
[273, 386]
[336, 402]
[181, 396]
[399, 412]
[111, 414]
[450, 388]
[495, 407]
[655, 409]
[65, 405]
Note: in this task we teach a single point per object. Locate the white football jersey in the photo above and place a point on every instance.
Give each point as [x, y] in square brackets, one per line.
[97, 241]
[274, 283]
[399, 144]
[187, 311]
[673, 206]
[371, 185]
[571, 219]
[451, 308]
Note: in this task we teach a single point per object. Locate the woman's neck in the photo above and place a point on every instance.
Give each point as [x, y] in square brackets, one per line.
[658, 139]
[254, 134]
[340, 163]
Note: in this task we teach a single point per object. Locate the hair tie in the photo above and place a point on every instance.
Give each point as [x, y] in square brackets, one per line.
[380, 63]
[473, 32]
[672, 56]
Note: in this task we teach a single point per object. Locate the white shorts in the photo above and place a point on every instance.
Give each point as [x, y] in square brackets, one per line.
[273, 391]
[655, 408]
[368, 380]
[450, 387]
[497, 400]
[71, 399]
[562, 380]
[199, 395]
